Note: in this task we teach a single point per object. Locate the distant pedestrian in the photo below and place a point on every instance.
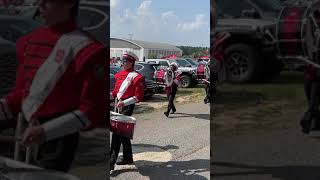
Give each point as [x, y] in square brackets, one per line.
[172, 80]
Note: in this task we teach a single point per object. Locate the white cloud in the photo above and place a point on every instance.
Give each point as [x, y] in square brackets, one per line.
[198, 23]
[168, 17]
[144, 8]
[114, 4]
[127, 16]
[165, 26]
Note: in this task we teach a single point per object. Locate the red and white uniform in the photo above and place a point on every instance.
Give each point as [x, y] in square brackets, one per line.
[80, 91]
[176, 82]
[207, 74]
[129, 83]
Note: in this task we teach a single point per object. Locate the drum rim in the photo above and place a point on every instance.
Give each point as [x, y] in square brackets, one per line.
[114, 114]
[303, 20]
[124, 121]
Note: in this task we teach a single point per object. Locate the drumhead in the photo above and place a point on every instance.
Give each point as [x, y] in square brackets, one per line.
[290, 30]
[290, 22]
[120, 117]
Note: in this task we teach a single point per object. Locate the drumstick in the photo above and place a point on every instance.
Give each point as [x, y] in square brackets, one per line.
[18, 134]
[9, 139]
[305, 60]
[115, 105]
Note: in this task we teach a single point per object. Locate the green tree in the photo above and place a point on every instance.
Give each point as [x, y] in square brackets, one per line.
[152, 56]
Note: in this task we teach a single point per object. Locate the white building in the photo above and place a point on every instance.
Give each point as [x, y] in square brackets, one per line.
[142, 49]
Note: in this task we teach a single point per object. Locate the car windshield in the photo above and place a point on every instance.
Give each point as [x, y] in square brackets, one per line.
[138, 67]
[15, 28]
[268, 5]
[114, 69]
[192, 62]
[182, 63]
[147, 70]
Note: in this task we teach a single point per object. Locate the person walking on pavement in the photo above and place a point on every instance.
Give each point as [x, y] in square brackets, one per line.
[129, 89]
[60, 84]
[207, 99]
[172, 80]
[311, 118]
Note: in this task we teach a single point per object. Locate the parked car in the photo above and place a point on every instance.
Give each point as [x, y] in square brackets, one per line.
[8, 66]
[93, 17]
[113, 71]
[250, 53]
[192, 62]
[189, 77]
[147, 70]
[12, 28]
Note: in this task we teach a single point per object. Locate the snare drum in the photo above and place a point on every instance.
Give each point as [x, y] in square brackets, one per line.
[122, 125]
[312, 36]
[291, 29]
[201, 71]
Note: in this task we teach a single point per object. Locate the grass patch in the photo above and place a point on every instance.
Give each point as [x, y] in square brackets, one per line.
[240, 108]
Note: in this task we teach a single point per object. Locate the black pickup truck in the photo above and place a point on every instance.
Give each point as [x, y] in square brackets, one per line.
[250, 54]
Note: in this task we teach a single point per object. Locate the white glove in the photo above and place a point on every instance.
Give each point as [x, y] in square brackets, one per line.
[177, 82]
[65, 124]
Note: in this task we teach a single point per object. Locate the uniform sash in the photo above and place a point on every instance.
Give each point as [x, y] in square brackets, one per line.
[126, 83]
[52, 70]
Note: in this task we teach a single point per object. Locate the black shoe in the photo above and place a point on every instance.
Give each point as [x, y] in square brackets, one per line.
[166, 113]
[111, 167]
[124, 162]
[305, 126]
[205, 101]
[173, 111]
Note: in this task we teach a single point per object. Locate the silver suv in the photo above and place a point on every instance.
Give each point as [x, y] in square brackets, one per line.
[189, 77]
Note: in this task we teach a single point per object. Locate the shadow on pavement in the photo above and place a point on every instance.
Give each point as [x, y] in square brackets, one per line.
[178, 170]
[198, 116]
[283, 172]
[138, 148]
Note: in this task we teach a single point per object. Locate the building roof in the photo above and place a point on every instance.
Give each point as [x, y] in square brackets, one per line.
[149, 45]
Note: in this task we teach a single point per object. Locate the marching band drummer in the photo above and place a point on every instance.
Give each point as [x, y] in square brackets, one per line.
[129, 89]
[311, 118]
[61, 84]
[207, 82]
[172, 80]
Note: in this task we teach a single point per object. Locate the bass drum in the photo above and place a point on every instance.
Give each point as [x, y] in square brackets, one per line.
[291, 29]
[312, 36]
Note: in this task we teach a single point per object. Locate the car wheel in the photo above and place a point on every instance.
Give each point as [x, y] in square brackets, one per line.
[186, 81]
[242, 63]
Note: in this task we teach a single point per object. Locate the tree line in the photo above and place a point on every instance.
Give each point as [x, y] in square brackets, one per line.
[194, 52]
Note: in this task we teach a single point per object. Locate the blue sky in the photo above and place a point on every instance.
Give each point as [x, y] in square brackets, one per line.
[178, 22]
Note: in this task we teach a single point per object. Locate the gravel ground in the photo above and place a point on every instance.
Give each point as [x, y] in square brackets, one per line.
[182, 140]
